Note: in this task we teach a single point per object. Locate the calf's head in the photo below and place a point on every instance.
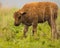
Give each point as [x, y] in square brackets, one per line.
[18, 17]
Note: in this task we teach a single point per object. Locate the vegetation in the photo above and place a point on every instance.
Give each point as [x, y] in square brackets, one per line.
[11, 36]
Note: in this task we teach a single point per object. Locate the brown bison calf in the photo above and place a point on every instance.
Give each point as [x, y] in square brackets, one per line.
[37, 12]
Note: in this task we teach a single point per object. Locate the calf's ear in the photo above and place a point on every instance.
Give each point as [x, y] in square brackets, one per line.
[23, 13]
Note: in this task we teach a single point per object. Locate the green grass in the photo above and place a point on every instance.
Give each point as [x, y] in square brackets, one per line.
[10, 36]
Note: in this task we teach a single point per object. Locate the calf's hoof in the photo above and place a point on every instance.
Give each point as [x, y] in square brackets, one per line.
[36, 38]
[22, 37]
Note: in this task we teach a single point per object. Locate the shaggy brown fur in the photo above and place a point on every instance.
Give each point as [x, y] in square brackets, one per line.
[37, 12]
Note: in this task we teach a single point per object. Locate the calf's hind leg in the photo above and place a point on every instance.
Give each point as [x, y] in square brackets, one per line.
[52, 24]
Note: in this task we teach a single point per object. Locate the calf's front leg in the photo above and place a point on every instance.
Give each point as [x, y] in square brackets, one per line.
[25, 30]
[34, 30]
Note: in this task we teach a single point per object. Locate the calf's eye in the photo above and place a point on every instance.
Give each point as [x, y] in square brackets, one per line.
[19, 17]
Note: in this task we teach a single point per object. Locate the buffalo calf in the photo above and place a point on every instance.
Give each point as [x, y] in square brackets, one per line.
[37, 12]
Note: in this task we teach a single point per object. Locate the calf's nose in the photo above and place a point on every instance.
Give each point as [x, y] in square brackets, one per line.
[16, 24]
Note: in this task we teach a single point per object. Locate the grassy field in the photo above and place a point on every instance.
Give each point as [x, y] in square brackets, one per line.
[10, 36]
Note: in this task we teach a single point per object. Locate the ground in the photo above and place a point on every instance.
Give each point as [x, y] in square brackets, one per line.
[11, 36]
